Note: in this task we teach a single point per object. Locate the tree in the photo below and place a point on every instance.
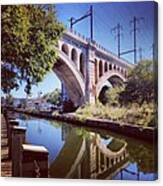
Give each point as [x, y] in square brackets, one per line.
[140, 86]
[53, 97]
[30, 34]
[112, 95]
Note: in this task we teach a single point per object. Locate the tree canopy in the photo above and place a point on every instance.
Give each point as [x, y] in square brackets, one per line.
[28, 37]
[141, 82]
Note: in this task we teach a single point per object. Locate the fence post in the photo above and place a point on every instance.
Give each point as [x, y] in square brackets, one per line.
[34, 161]
[18, 138]
[11, 124]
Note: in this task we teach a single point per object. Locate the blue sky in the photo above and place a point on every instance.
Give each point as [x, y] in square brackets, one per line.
[106, 16]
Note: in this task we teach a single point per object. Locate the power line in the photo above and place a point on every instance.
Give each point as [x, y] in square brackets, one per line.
[134, 22]
[117, 30]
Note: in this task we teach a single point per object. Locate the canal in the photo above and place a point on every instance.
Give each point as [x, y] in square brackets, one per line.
[78, 152]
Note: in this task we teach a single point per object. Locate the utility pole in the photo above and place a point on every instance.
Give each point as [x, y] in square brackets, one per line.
[73, 21]
[117, 30]
[135, 49]
[153, 51]
[140, 54]
[135, 29]
[91, 22]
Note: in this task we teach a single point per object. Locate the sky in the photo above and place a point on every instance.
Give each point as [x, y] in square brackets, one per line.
[105, 17]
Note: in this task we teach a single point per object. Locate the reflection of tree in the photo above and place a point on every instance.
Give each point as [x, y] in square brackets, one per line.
[83, 133]
[55, 124]
[144, 156]
[116, 144]
[140, 152]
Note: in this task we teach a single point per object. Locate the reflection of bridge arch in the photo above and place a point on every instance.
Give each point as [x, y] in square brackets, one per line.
[103, 158]
[83, 157]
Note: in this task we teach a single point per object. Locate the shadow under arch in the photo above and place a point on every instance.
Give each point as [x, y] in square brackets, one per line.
[106, 82]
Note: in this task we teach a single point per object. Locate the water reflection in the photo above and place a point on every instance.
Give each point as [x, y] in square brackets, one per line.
[77, 152]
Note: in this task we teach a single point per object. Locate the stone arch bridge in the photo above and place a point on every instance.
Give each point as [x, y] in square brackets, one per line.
[85, 68]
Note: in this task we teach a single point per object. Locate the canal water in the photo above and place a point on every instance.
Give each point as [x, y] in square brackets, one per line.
[85, 153]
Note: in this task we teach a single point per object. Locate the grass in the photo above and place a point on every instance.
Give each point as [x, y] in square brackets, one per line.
[144, 115]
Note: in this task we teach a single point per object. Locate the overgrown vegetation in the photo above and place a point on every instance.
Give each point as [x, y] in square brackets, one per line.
[135, 103]
[144, 115]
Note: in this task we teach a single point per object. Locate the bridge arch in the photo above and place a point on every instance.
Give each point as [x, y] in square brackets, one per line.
[96, 71]
[112, 78]
[121, 70]
[74, 55]
[115, 67]
[100, 68]
[82, 64]
[73, 81]
[106, 67]
[65, 49]
[110, 66]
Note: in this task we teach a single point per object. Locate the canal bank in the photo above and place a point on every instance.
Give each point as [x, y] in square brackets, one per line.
[148, 134]
[82, 152]
[88, 152]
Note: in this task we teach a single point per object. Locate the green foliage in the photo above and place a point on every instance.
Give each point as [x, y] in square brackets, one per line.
[144, 155]
[140, 84]
[82, 133]
[53, 97]
[135, 103]
[101, 111]
[29, 35]
[8, 80]
[112, 95]
[143, 115]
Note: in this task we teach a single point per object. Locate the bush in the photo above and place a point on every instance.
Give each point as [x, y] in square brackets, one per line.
[144, 115]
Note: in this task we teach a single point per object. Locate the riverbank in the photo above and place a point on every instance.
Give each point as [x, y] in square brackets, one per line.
[148, 134]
